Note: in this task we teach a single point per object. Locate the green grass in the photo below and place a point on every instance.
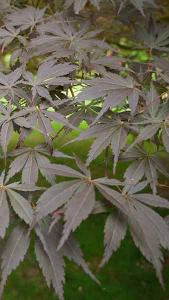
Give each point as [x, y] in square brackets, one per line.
[126, 277]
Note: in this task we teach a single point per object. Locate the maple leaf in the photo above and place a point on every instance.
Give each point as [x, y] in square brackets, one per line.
[131, 204]
[32, 160]
[9, 119]
[155, 36]
[106, 133]
[49, 73]
[65, 35]
[148, 234]
[20, 205]
[96, 61]
[75, 195]
[51, 261]
[25, 18]
[155, 117]
[114, 89]
[9, 84]
[41, 118]
[146, 163]
[8, 34]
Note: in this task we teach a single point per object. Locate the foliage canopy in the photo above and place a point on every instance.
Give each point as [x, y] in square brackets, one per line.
[105, 63]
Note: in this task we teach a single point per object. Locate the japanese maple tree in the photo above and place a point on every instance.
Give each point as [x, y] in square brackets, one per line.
[60, 64]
